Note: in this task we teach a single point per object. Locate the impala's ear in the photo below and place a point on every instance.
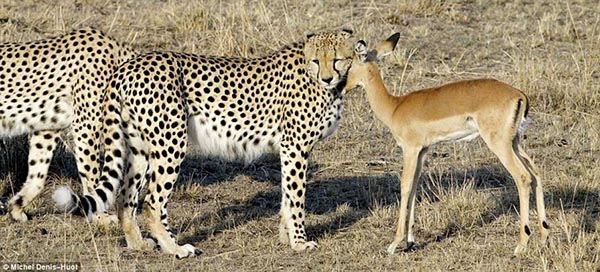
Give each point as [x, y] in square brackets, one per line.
[361, 51]
[360, 47]
[386, 47]
[378, 52]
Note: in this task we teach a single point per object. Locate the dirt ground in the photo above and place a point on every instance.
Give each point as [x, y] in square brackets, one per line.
[466, 217]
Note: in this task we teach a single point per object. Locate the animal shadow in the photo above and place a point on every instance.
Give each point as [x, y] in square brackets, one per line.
[322, 197]
[357, 196]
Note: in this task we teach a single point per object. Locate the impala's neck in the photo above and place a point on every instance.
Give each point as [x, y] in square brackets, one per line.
[382, 103]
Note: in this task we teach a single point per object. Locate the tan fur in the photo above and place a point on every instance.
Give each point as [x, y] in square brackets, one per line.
[328, 57]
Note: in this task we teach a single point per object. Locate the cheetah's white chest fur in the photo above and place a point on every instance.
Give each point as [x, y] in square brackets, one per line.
[207, 141]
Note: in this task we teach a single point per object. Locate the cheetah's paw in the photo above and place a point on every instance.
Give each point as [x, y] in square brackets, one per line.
[16, 212]
[302, 246]
[151, 243]
[392, 248]
[18, 215]
[284, 239]
[105, 219]
[519, 250]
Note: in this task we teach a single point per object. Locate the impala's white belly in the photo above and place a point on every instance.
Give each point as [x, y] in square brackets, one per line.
[205, 140]
[468, 132]
[463, 135]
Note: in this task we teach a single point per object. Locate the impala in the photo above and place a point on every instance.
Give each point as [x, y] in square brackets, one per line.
[453, 112]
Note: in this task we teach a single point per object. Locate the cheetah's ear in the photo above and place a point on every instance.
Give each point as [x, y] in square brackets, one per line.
[309, 35]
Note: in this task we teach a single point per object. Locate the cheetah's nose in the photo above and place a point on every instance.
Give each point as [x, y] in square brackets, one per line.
[327, 80]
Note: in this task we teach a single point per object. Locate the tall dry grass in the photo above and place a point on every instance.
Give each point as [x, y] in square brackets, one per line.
[467, 204]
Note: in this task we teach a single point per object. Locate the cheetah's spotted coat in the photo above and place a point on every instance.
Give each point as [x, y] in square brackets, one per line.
[49, 85]
[239, 108]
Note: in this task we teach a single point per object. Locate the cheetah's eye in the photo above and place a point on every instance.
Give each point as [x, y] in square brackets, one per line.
[315, 61]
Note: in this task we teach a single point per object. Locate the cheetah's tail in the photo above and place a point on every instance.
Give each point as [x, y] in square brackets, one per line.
[103, 197]
[67, 201]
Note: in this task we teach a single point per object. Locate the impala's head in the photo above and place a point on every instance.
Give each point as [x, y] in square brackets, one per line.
[363, 65]
[328, 57]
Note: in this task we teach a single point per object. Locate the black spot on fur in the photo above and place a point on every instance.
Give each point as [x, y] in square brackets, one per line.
[19, 201]
[545, 225]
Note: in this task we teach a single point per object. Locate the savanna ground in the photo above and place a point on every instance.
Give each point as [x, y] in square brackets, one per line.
[467, 203]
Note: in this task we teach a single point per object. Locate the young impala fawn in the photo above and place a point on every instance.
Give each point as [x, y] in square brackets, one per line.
[453, 112]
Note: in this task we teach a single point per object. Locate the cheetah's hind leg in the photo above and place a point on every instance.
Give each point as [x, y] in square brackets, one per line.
[42, 145]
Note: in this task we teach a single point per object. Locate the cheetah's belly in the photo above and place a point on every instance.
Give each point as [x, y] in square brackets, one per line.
[26, 115]
[207, 141]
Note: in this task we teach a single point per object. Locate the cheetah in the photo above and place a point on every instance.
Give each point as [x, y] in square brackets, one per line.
[231, 107]
[49, 85]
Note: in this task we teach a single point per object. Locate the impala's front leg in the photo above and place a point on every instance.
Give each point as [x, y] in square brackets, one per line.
[407, 184]
[294, 160]
[410, 239]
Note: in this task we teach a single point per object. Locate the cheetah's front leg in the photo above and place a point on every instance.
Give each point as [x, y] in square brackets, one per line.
[293, 170]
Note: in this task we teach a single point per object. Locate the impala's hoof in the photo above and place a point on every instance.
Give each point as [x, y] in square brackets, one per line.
[519, 250]
[392, 248]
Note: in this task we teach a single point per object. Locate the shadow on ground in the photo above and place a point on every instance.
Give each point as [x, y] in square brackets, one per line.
[361, 194]
[13, 166]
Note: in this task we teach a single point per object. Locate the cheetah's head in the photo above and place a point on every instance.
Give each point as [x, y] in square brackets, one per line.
[328, 57]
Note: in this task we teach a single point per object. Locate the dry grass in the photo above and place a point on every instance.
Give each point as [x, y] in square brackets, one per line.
[466, 214]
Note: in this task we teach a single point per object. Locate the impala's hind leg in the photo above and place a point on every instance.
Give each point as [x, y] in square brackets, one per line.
[537, 188]
[502, 145]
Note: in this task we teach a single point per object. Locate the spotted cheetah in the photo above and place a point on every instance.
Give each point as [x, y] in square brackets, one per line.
[231, 107]
[48, 85]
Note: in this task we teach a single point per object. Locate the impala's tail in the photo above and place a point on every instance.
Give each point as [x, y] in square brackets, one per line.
[103, 197]
[521, 114]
